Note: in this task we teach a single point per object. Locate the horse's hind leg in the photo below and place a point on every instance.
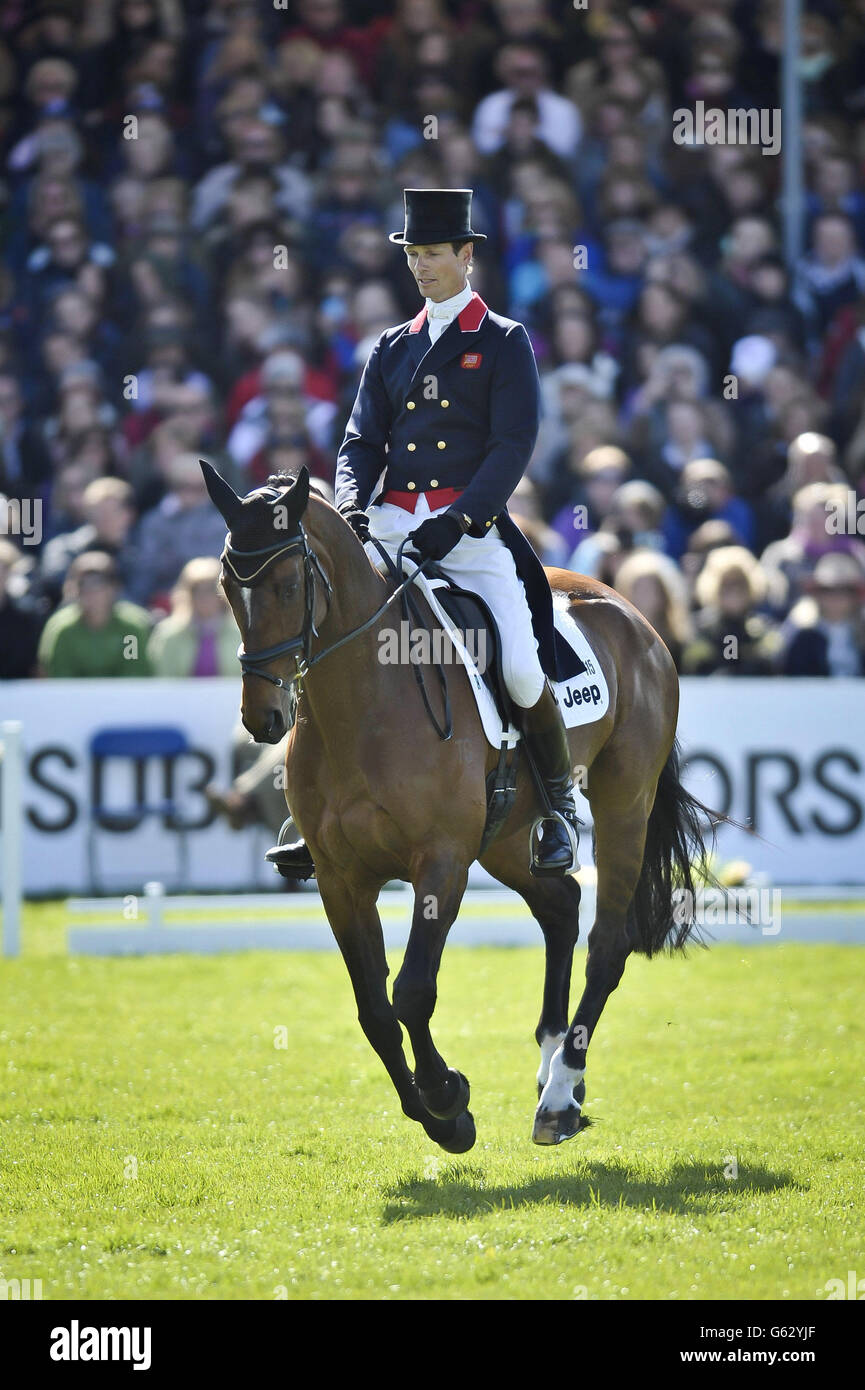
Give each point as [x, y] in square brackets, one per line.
[557, 909]
[439, 888]
[555, 903]
[356, 926]
[620, 836]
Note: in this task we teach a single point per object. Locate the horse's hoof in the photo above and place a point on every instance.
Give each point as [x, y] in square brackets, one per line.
[448, 1101]
[463, 1137]
[555, 1126]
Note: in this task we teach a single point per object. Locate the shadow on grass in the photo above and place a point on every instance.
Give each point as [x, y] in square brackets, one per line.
[459, 1190]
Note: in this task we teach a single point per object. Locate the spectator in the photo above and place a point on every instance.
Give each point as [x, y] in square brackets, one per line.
[109, 508]
[25, 466]
[843, 369]
[772, 314]
[187, 423]
[709, 536]
[283, 409]
[56, 264]
[654, 585]
[685, 434]
[199, 638]
[676, 374]
[811, 458]
[256, 795]
[705, 493]
[524, 506]
[732, 639]
[639, 509]
[96, 633]
[810, 538]
[634, 516]
[182, 527]
[19, 623]
[257, 150]
[596, 476]
[832, 643]
[522, 70]
[831, 275]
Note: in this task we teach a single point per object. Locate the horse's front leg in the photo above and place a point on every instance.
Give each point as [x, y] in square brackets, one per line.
[439, 888]
[356, 925]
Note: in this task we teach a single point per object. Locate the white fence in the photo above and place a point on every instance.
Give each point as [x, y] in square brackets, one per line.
[788, 756]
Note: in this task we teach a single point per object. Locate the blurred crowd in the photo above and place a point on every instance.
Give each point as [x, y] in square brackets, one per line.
[195, 205]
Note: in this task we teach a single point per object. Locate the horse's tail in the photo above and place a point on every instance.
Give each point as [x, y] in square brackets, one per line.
[680, 838]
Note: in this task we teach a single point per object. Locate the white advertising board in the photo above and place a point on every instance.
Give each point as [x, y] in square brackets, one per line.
[786, 756]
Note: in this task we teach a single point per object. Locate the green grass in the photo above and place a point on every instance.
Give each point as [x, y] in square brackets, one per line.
[156, 1143]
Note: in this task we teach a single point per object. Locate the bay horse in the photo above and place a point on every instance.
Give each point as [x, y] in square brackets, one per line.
[377, 794]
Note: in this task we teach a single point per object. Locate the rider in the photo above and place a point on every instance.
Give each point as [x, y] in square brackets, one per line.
[448, 410]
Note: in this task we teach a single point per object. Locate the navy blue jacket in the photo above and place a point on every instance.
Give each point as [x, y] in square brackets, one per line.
[808, 654]
[463, 412]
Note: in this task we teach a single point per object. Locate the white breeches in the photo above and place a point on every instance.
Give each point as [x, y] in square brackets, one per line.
[486, 567]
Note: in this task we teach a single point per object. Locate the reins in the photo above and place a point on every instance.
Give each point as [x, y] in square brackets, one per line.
[299, 646]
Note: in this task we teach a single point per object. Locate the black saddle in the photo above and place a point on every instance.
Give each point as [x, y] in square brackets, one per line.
[473, 617]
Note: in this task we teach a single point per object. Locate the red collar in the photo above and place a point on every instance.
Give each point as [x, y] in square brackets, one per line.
[470, 318]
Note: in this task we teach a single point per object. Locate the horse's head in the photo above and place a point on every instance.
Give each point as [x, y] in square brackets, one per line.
[277, 591]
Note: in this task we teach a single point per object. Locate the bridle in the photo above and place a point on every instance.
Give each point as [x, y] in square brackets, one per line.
[252, 663]
[299, 646]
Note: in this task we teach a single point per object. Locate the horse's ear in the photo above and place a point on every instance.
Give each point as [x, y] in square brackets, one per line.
[222, 494]
[297, 496]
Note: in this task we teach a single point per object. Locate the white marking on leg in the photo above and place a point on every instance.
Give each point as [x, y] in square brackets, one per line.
[558, 1094]
[549, 1044]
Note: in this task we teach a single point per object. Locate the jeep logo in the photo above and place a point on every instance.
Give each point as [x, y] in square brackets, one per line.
[589, 694]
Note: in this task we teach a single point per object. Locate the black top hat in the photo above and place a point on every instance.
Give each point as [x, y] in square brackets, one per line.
[436, 214]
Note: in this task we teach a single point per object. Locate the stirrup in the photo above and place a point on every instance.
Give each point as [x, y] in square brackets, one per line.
[536, 865]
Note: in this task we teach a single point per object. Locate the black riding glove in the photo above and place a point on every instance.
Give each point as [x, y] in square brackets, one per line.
[436, 537]
[359, 523]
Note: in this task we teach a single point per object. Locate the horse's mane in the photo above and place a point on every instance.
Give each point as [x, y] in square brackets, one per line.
[316, 485]
[335, 525]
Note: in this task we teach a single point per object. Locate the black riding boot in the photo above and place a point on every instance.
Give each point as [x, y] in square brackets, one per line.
[293, 861]
[547, 742]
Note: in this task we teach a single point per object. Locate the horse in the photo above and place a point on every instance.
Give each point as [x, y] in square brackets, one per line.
[378, 795]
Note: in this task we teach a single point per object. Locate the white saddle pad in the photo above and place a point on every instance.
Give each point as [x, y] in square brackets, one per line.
[582, 699]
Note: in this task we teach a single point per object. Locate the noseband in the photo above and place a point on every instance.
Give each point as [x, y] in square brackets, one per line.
[299, 646]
